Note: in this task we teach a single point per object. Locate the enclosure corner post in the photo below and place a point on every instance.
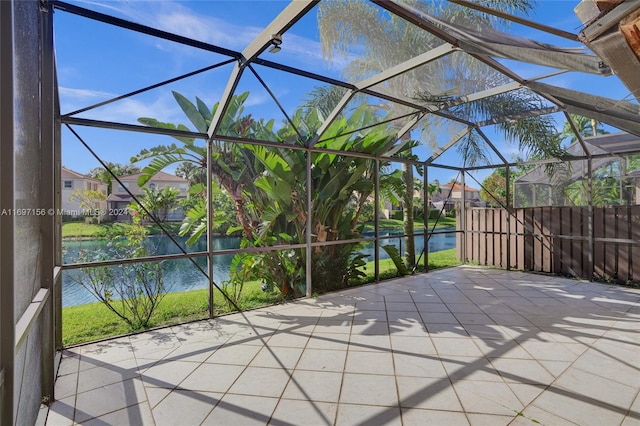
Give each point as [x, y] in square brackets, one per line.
[376, 223]
[590, 220]
[425, 217]
[7, 320]
[308, 281]
[508, 206]
[210, 225]
[463, 217]
[51, 248]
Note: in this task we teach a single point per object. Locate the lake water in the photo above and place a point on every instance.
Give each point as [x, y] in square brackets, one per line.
[182, 274]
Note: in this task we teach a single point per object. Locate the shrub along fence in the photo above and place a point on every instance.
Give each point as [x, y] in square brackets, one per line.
[603, 245]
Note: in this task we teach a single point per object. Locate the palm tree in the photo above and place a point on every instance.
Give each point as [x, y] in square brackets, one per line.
[587, 127]
[157, 201]
[116, 168]
[193, 173]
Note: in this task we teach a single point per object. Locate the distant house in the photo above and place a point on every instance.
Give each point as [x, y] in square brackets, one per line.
[73, 181]
[119, 198]
[450, 195]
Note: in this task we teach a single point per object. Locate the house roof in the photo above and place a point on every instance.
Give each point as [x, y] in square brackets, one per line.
[70, 174]
[458, 187]
[158, 177]
[119, 197]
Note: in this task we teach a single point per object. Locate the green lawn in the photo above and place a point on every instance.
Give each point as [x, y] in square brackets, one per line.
[103, 230]
[444, 221]
[94, 321]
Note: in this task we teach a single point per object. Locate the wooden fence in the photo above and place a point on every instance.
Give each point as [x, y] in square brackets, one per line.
[556, 240]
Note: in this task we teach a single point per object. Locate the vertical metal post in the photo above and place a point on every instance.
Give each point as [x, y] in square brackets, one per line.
[210, 224]
[47, 190]
[7, 320]
[590, 220]
[308, 230]
[425, 217]
[376, 223]
[508, 205]
[57, 205]
[463, 217]
[622, 188]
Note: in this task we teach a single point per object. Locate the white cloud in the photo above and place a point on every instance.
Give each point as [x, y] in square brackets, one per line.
[180, 20]
[162, 106]
[84, 94]
[129, 110]
[309, 52]
[257, 99]
[176, 18]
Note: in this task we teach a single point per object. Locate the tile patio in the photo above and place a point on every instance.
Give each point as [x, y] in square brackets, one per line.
[459, 346]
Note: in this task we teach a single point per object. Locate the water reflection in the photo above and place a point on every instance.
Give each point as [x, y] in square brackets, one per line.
[182, 274]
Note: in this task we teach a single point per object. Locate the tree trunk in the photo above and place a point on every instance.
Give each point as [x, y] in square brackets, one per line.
[234, 190]
[361, 202]
[241, 214]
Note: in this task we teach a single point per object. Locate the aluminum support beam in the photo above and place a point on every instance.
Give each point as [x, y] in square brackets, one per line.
[57, 205]
[591, 233]
[463, 217]
[108, 19]
[514, 85]
[210, 215]
[223, 104]
[376, 223]
[491, 145]
[308, 229]
[508, 208]
[285, 20]
[607, 21]
[408, 65]
[29, 318]
[303, 73]
[403, 12]
[576, 132]
[47, 198]
[148, 88]
[400, 136]
[7, 320]
[332, 116]
[230, 139]
[425, 217]
[514, 117]
[448, 145]
[517, 19]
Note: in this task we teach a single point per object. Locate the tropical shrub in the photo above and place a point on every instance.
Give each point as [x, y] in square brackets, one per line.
[268, 187]
[132, 291]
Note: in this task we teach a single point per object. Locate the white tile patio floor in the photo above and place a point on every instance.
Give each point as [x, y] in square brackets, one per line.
[460, 346]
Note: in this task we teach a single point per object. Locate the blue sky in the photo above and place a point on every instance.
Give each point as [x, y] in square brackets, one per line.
[97, 62]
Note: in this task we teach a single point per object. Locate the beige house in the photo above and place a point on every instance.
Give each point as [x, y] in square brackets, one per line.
[450, 195]
[74, 181]
[119, 198]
